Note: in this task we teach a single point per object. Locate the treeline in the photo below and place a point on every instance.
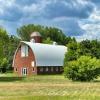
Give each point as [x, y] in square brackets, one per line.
[49, 34]
[85, 47]
[82, 61]
[9, 43]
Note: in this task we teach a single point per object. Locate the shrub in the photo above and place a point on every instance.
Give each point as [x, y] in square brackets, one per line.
[3, 65]
[83, 69]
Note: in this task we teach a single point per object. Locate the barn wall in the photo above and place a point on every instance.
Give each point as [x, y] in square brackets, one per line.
[20, 62]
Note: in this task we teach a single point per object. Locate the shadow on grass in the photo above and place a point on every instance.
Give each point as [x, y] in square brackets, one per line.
[96, 81]
[10, 79]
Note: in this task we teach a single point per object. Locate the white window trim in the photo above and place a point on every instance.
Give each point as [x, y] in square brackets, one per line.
[22, 71]
[24, 51]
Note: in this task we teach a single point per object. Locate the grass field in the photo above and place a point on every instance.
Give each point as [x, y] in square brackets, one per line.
[47, 87]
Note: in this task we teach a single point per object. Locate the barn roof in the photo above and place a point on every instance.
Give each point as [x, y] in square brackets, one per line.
[47, 54]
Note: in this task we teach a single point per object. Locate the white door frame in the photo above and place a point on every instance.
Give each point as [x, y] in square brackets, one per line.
[24, 71]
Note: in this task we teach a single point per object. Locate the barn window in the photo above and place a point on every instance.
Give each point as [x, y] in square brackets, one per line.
[61, 69]
[51, 69]
[41, 69]
[24, 51]
[57, 69]
[47, 69]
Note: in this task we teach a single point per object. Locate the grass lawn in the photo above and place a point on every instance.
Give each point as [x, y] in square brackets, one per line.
[47, 87]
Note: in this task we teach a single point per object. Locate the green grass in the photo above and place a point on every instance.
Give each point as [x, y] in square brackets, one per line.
[47, 87]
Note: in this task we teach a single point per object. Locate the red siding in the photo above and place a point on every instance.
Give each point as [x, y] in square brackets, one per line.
[20, 62]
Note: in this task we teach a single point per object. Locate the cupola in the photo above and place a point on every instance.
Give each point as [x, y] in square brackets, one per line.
[35, 37]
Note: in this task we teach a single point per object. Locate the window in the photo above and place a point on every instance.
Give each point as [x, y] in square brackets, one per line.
[47, 69]
[32, 63]
[41, 69]
[24, 51]
[51, 69]
[57, 69]
[61, 68]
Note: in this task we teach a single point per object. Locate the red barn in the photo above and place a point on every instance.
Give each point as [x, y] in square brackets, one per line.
[35, 57]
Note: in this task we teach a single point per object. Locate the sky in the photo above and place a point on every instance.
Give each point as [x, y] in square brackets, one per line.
[76, 18]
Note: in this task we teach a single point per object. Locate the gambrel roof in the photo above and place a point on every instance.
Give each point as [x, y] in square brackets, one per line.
[47, 54]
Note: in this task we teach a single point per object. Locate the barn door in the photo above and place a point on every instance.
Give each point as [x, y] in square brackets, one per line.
[24, 71]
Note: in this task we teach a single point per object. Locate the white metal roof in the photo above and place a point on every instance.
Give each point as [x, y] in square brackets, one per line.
[47, 54]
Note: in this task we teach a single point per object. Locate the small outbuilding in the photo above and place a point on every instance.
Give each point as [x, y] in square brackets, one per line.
[35, 57]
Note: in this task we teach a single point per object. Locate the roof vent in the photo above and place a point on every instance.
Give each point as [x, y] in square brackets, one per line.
[32, 40]
[36, 36]
[54, 43]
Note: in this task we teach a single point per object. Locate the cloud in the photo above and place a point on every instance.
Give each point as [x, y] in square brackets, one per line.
[68, 8]
[12, 14]
[9, 11]
[91, 27]
[95, 1]
[48, 9]
[69, 25]
[4, 4]
[74, 17]
[25, 2]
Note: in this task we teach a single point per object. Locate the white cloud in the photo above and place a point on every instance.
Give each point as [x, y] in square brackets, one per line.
[35, 7]
[61, 13]
[91, 27]
[29, 9]
[4, 4]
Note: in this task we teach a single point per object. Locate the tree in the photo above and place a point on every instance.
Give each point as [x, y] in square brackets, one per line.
[72, 53]
[95, 50]
[90, 48]
[85, 47]
[12, 46]
[3, 42]
[8, 45]
[54, 34]
[84, 68]
[3, 64]
[48, 41]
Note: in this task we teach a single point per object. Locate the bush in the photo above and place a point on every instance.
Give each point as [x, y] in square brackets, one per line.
[83, 69]
[3, 65]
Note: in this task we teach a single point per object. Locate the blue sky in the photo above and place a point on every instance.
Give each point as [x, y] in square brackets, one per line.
[77, 18]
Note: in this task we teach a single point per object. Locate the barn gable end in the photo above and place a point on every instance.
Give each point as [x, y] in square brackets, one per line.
[20, 61]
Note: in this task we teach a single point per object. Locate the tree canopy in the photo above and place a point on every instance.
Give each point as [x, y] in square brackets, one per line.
[84, 68]
[81, 60]
[54, 34]
[8, 45]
